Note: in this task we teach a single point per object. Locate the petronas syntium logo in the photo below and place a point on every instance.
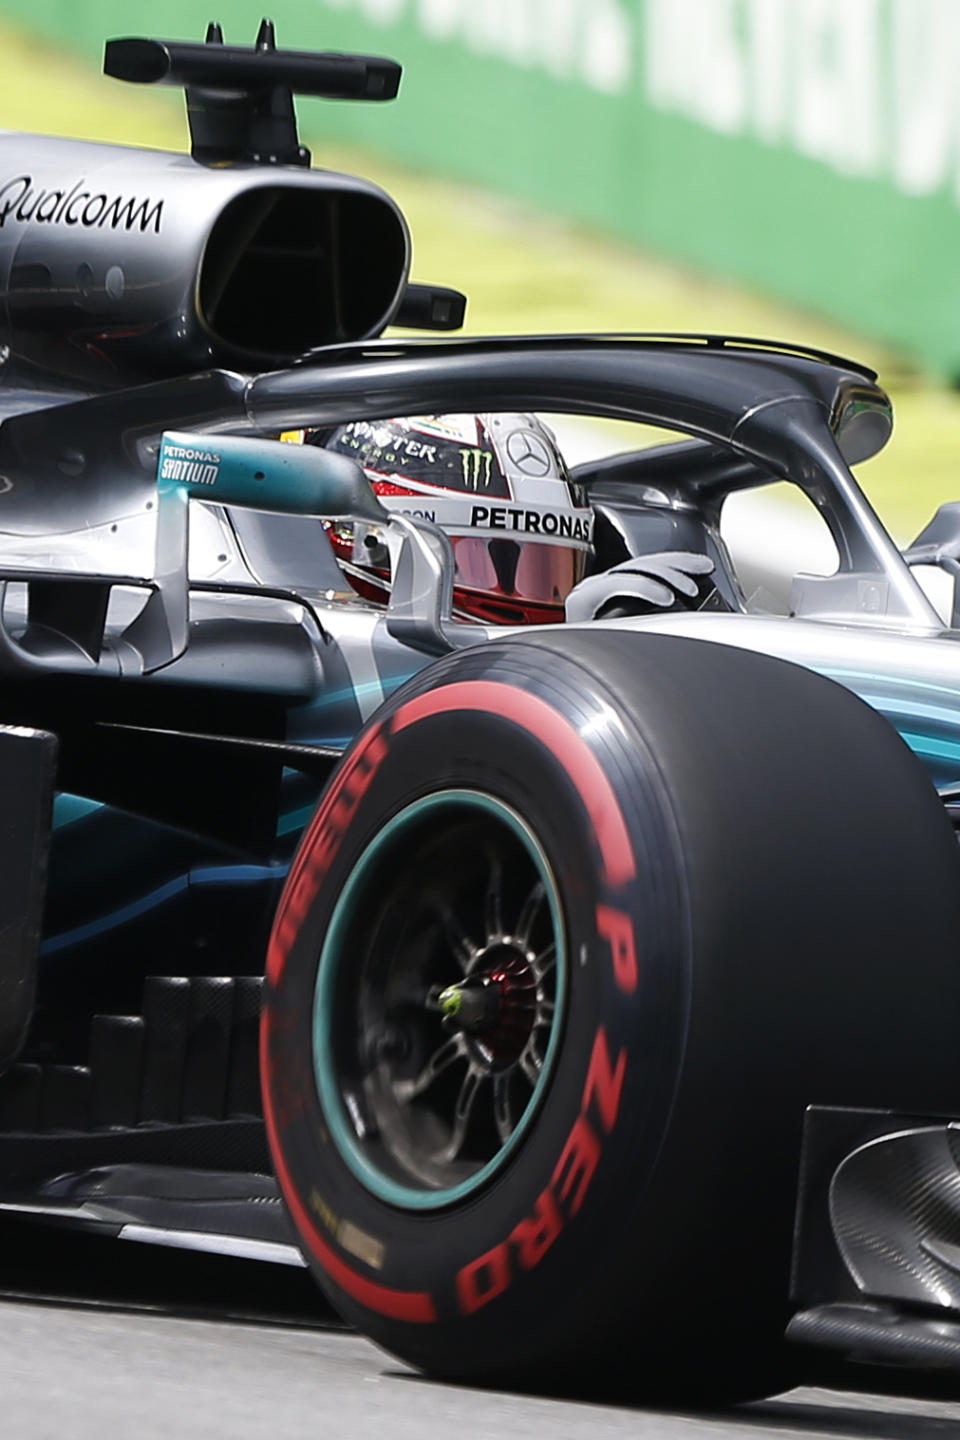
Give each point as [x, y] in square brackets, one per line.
[477, 468]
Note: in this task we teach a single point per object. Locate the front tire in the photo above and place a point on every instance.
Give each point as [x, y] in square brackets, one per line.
[582, 925]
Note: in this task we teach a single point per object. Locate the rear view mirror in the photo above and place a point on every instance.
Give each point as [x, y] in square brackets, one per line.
[939, 540]
[265, 475]
[939, 544]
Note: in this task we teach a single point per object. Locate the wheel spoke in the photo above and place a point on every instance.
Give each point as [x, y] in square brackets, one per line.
[441, 1059]
[543, 963]
[529, 911]
[492, 905]
[545, 1012]
[531, 1065]
[502, 1110]
[462, 948]
[461, 1115]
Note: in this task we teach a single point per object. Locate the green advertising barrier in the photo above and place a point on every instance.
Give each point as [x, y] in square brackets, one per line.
[807, 147]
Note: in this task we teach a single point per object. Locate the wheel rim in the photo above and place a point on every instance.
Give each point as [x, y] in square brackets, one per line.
[440, 999]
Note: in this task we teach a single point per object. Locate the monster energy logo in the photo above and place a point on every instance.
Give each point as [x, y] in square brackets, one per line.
[477, 468]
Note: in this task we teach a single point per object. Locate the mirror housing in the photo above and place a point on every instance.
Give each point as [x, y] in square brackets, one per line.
[265, 475]
[939, 544]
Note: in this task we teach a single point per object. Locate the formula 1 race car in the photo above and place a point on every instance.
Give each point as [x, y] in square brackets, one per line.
[609, 1001]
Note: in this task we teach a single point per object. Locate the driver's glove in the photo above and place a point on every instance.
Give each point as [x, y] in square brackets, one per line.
[640, 584]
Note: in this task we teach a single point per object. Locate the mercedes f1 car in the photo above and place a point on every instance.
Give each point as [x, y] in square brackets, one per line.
[568, 997]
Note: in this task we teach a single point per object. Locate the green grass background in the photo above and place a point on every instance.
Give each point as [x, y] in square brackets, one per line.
[525, 272]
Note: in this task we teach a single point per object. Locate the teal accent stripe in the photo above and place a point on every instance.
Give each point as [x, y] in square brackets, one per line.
[929, 745]
[917, 709]
[69, 808]
[899, 703]
[295, 820]
[846, 677]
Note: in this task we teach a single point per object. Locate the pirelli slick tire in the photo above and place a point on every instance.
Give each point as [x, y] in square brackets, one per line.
[583, 923]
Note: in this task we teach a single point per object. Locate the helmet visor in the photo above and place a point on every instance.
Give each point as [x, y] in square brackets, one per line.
[541, 574]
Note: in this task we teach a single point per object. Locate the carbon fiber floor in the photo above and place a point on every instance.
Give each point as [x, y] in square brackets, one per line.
[98, 1336]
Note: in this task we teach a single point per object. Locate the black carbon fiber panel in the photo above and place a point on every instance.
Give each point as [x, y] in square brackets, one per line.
[166, 1014]
[895, 1212]
[243, 1079]
[211, 1201]
[20, 1098]
[116, 1063]
[177, 1086]
[208, 1048]
[66, 1097]
[220, 1145]
[879, 1335]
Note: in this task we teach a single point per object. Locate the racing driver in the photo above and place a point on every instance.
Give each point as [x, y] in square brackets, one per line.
[521, 529]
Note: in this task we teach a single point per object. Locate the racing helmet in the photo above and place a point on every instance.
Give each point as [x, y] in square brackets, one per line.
[497, 484]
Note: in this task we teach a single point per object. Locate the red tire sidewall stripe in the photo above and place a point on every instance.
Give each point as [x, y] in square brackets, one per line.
[558, 736]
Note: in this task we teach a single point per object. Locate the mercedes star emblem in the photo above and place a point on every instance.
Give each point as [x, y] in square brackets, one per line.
[529, 453]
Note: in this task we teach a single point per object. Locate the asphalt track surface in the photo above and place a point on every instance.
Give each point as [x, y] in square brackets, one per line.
[102, 1339]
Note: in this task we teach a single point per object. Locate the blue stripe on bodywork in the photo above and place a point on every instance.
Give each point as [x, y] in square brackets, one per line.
[115, 918]
[212, 875]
